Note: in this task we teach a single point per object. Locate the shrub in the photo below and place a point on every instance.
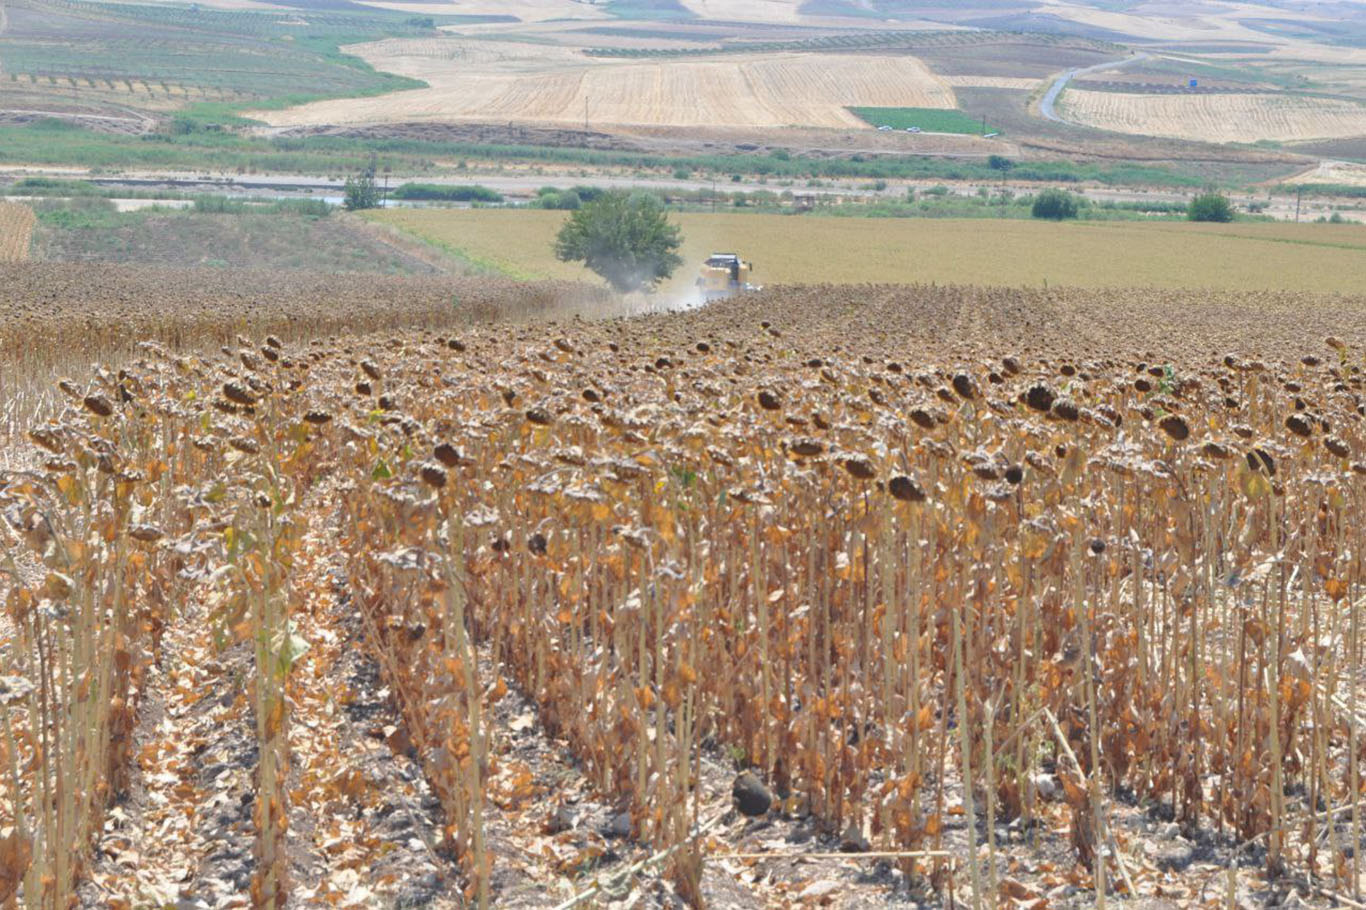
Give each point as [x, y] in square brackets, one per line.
[589, 193]
[1055, 204]
[360, 192]
[437, 192]
[1210, 207]
[216, 205]
[567, 201]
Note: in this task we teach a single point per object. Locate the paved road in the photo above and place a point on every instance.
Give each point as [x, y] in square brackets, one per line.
[1056, 89]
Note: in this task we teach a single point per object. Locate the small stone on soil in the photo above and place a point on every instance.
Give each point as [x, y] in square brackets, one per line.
[619, 825]
[1174, 857]
[751, 796]
[853, 840]
[1046, 785]
[562, 819]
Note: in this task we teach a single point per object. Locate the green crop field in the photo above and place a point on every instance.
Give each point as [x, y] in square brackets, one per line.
[100, 57]
[931, 120]
[649, 9]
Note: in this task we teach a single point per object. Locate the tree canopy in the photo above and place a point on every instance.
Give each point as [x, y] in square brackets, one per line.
[1210, 207]
[626, 238]
[1055, 204]
[360, 192]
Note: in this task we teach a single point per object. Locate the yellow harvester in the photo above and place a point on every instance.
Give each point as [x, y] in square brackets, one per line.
[724, 275]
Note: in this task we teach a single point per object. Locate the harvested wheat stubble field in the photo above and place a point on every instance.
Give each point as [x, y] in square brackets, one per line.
[1007, 595]
[505, 82]
[1217, 117]
[793, 250]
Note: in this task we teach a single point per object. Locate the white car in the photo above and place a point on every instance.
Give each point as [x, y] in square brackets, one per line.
[884, 128]
[912, 129]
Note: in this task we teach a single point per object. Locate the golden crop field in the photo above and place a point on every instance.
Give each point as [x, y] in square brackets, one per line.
[1216, 117]
[16, 230]
[871, 565]
[535, 83]
[806, 249]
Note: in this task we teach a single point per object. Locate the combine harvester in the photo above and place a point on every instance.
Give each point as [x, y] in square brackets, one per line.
[724, 275]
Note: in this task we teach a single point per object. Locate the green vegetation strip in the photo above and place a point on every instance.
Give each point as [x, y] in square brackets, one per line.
[56, 142]
[650, 10]
[443, 193]
[929, 119]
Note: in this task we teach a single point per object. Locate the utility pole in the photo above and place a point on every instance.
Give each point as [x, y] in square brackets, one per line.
[1299, 194]
[984, 124]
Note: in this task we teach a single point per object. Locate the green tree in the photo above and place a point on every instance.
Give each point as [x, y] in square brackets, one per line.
[568, 201]
[360, 192]
[624, 237]
[1055, 204]
[1210, 207]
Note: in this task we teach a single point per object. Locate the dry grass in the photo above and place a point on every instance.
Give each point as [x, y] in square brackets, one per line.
[794, 250]
[16, 231]
[535, 83]
[1215, 117]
